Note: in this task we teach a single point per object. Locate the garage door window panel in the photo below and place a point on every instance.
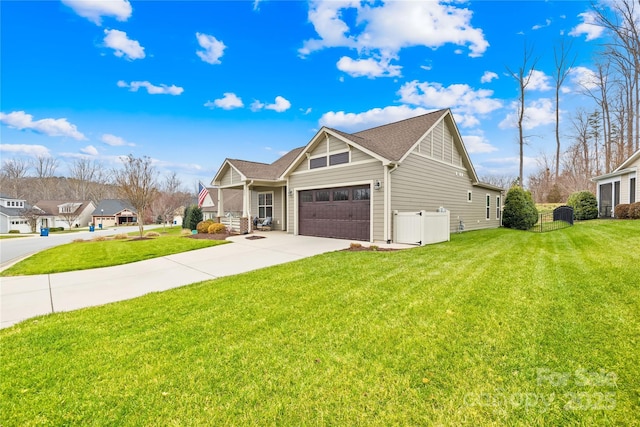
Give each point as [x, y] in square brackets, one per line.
[340, 195]
[322, 196]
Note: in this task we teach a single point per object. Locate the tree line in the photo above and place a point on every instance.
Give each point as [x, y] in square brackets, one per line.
[138, 182]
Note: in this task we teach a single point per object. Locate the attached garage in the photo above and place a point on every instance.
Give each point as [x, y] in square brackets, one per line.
[340, 212]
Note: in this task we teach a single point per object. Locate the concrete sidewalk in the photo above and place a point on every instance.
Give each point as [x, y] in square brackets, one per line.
[24, 297]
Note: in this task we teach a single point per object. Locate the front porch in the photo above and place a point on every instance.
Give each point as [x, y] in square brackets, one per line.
[259, 201]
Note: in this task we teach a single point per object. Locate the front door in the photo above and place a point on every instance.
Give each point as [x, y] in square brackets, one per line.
[605, 200]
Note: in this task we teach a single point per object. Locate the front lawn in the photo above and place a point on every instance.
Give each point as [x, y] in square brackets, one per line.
[93, 254]
[496, 327]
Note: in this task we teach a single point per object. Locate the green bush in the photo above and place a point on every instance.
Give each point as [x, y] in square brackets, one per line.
[195, 216]
[621, 211]
[519, 209]
[203, 226]
[634, 210]
[14, 231]
[584, 204]
[217, 228]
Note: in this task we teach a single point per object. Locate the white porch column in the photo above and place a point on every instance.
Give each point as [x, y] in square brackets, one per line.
[246, 205]
[220, 203]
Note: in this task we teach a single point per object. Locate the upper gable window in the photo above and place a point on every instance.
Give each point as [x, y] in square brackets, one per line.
[339, 158]
[318, 162]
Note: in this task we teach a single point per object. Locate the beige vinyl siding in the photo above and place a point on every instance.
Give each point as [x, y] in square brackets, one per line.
[278, 220]
[320, 148]
[438, 141]
[230, 176]
[422, 183]
[336, 144]
[359, 156]
[345, 175]
[624, 188]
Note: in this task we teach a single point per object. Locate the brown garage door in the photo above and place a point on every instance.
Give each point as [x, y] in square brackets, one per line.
[341, 212]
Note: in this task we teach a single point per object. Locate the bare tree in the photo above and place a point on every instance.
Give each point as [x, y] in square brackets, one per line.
[563, 66]
[32, 215]
[45, 169]
[502, 181]
[12, 173]
[523, 76]
[170, 198]
[136, 182]
[70, 212]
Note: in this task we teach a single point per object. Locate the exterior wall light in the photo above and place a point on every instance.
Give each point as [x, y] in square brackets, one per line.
[377, 185]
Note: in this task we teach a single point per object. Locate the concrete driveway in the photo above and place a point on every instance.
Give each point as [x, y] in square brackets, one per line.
[24, 297]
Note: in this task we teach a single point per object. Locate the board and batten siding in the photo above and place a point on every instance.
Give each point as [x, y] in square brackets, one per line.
[345, 174]
[279, 213]
[423, 183]
[230, 177]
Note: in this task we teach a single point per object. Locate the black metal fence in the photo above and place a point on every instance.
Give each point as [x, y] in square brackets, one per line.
[561, 217]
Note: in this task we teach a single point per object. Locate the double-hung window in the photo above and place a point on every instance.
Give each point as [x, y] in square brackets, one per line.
[265, 205]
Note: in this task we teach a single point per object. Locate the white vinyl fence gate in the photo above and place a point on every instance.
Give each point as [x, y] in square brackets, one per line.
[421, 228]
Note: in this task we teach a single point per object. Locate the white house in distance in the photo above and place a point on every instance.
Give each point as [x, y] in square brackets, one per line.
[58, 213]
[348, 185]
[619, 186]
[11, 215]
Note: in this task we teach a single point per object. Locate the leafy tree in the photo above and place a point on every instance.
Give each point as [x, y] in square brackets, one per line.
[519, 209]
[584, 204]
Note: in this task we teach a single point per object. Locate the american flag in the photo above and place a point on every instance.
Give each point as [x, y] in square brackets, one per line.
[202, 194]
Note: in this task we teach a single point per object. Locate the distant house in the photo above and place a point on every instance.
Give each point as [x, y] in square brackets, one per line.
[60, 212]
[232, 203]
[619, 186]
[11, 218]
[113, 212]
[348, 185]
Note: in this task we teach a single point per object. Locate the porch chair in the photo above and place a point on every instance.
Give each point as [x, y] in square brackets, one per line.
[265, 224]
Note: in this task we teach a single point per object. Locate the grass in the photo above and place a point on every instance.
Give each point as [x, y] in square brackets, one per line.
[93, 254]
[13, 236]
[496, 327]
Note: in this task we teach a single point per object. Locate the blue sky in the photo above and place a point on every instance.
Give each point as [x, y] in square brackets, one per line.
[191, 83]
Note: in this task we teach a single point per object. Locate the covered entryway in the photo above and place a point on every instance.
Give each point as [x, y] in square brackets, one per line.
[341, 212]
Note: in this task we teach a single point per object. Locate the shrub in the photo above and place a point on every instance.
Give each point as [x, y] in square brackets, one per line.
[374, 247]
[634, 210]
[217, 228]
[14, 231]
[519, 209]
[151, 234]
[355, 246]
[203, 226]
[185, 232]
[195, 216]
[78, 240]
[52, 229]
[621, 211]
[99, 239]
[121, 236]
[584, 204]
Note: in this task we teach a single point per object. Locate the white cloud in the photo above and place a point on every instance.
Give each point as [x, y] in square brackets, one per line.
[152, 89]
[26, 149]
[583, 77]
[488, 76]
[368, 67]
[52, 127]
[539, 112]
[94, 10]
[538, 80]
[587, 27]
[375, 117]
[307, 111]
[390, 26]
[122, 45]
[280, 105]
[464, 101]
[89, 150]
[115, 141]
[228, 102]
[213, 48]
[539, 26]
[477, 144]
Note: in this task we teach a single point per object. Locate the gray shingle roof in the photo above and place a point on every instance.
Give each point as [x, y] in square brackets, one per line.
[112, 207]
[271, 172]
[51, 206]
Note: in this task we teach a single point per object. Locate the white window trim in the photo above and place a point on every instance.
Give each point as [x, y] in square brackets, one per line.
[498, 207]
[271, 205]
[487, 208]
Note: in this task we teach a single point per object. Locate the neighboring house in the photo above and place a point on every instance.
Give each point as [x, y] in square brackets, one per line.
[11, 215]
[113, 212]
[349, 185]
[59, 212]
[619, 186]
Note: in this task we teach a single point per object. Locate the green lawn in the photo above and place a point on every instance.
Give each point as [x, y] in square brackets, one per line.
[496, 327]
[93, 254]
